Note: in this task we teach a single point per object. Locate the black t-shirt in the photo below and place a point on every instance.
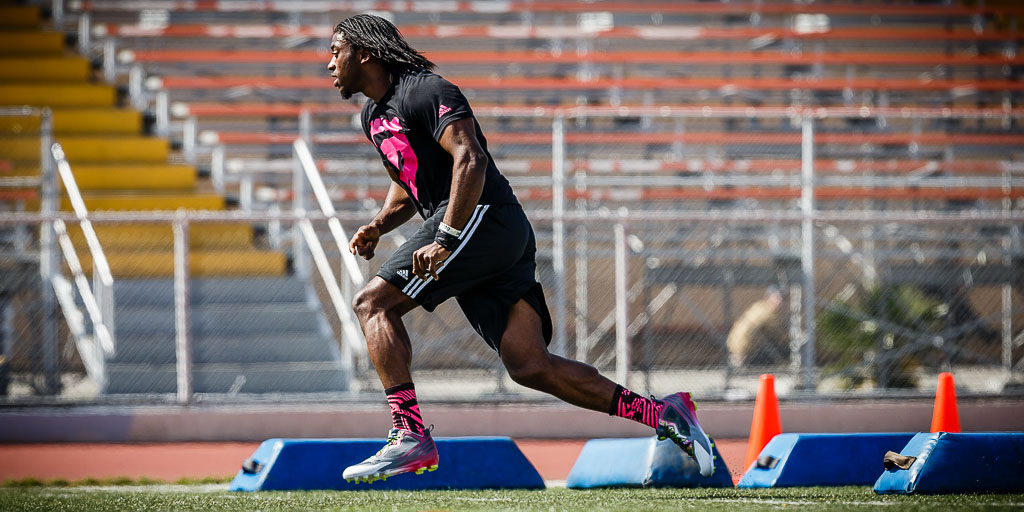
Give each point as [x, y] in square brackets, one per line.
[405, 127]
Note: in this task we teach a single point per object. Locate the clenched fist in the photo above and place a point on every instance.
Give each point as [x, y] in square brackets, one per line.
[364, 242]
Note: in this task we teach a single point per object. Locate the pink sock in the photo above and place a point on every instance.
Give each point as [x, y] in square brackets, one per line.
[405, 410]
[626, 404]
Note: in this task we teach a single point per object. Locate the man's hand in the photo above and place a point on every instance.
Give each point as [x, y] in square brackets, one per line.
[364, 242]
[428, 259]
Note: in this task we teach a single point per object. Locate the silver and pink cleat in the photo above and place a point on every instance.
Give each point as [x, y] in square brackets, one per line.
[678, 422]
[405, 452]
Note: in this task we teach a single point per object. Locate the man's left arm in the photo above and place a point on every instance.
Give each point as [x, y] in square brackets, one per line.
[469, 169]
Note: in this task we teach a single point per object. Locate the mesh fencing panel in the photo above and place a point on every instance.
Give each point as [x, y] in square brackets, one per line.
[715, 288]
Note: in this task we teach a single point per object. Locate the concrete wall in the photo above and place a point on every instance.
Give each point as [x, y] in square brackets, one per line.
[256, 423]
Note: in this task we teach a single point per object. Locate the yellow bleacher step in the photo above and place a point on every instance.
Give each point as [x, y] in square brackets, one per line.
[78, 121]
[160, 237]
[81, 149]
[40, 69]
[19, 16]
[146, 202]
[55, 96]
[139, 264]
[134, 177]
[25, 42]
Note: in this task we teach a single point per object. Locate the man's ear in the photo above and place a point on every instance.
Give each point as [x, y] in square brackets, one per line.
[364, 55]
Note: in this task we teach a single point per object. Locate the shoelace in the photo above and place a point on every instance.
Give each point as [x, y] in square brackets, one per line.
[392, 440]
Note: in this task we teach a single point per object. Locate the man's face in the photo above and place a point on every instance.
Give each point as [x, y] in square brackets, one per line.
[344, 67]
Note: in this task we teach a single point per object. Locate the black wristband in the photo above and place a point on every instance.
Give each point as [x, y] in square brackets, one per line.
[446, 240]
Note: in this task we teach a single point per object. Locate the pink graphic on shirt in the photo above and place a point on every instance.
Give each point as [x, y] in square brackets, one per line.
[442, 111]
[395, 146]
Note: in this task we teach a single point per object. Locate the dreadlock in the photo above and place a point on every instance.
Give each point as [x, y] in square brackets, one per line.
[383, 40]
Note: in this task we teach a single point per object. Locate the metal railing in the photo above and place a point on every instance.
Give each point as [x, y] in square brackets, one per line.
[341, 295]
[98, 299]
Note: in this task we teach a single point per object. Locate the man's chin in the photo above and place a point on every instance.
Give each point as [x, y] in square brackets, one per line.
[345, 95]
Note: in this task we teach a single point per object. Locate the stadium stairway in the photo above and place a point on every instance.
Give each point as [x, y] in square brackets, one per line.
[254, 328]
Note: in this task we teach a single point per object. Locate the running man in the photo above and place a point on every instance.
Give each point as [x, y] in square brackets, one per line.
[475, 244]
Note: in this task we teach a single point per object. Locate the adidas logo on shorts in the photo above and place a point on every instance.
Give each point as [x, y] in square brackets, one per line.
[404, 274]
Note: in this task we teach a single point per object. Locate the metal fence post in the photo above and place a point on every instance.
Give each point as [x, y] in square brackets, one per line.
[299, 255]
[807, 250]
[84, 33]
[162, 111]
[582, 278]
[182, 309]
[558, 230]
[622, 348]
[48, 262]
[110, 61]
[188, 140]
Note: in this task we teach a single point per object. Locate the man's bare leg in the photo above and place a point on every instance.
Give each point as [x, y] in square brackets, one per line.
[529, 363]
[380, 307]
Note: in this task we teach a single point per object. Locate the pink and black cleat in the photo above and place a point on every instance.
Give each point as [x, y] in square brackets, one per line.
[678, 422]
[404, 452]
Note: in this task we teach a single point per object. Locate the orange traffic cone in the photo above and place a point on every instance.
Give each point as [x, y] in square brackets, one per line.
[767, 423]
[945, 417]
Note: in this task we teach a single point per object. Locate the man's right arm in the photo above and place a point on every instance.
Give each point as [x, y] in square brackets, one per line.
[397, 210]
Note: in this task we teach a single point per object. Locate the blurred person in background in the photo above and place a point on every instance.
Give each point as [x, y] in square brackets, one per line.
[755, 337]
[475, 244]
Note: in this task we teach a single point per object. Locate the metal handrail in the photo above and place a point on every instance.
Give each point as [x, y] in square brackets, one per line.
[98, 298]
[306, 172]
[308, 165]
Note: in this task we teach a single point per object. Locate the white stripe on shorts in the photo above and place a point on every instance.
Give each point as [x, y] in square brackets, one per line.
[415, 280]
[467, 232]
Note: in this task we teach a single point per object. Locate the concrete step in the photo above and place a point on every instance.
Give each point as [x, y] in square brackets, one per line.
[160, 292]
[160, 237]
[65, 69]
[128, 201]
[221, 320]
[54, 96]
[205, 263]
[277, 348]
[19, 16]
[216, 378]
[81, 149]
[31, 42]
[136, 177]
[78, 121]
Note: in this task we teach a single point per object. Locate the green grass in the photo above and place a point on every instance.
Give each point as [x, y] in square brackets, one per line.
[214, 498]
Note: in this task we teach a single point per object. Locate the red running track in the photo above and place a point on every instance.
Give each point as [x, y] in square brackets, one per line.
[173, 461]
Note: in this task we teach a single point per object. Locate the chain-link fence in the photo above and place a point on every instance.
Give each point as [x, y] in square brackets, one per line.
[678, 250]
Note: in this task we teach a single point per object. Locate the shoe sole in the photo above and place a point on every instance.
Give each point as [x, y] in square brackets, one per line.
[705, 458]
[383, 475]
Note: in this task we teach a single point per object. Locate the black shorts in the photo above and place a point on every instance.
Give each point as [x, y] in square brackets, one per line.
[493, 266]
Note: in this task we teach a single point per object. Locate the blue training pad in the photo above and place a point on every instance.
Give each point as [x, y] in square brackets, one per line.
[822, 459]
[641, 462]
[465, 463]
[957, 463]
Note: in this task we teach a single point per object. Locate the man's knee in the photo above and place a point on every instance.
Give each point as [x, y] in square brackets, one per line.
[532, 372]
[365, 302]
[376, 298]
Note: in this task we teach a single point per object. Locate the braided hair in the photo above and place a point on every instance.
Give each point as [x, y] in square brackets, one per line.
[383, 40]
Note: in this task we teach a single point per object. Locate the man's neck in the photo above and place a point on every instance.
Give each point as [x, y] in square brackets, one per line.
[378, 84]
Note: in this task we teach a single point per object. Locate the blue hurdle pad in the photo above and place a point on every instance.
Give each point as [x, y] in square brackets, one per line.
[948, 463]
[821, 459]
[642, 462]
[308, 464]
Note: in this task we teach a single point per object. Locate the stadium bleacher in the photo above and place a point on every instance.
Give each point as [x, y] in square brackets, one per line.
[667, 105]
